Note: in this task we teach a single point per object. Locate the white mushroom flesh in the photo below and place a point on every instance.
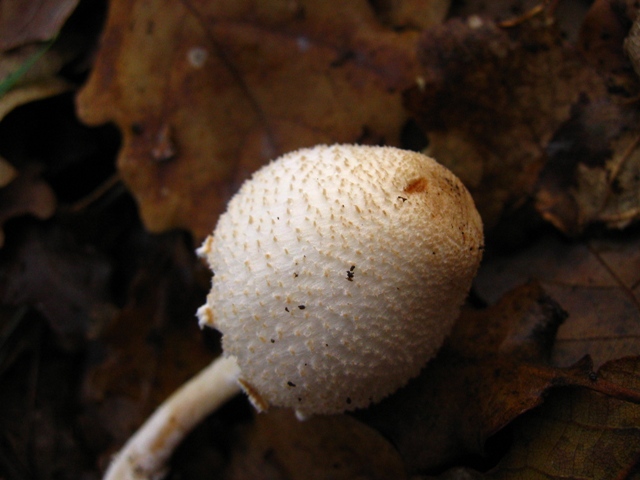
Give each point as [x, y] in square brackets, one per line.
[338, 272]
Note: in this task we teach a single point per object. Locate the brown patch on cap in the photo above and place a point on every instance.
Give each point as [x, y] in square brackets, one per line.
[418, 185]
[260, 403]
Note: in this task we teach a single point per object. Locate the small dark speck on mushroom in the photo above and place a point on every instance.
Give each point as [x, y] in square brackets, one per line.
[402, 198]
[302, 307]
[348, 400]
[295, 275]
[286, 309]
[350, 275]
[273, 341]
[291, 384]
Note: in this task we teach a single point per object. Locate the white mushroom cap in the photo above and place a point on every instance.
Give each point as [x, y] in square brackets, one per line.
[338, 272]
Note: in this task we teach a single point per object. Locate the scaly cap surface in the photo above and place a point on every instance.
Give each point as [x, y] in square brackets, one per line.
[339, 270]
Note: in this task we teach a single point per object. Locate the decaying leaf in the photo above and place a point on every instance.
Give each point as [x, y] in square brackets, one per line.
[280, 447]
[419, 14]
[68, 285]
[597, 282]
[593, 171]
[225, 86]
[520, 112]
[493, 369]
[25, 194]
[24, 22]
[28, 66]
[491, 100]
[578, 433]
[151, 347]
[8, 173]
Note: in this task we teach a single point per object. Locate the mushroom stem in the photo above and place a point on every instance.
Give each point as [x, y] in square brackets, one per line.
[145, 455]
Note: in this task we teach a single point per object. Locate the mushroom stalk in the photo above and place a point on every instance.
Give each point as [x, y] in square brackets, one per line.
[145, 455]
[339, 271]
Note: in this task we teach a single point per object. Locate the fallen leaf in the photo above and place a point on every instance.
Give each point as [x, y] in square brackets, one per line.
[37, 426]
[151, 347]
[8, 173]
[67, 284]
[520, 112]
[601, 39]
[23, 22]
[593, 171]
[491, 99]
[491, 370]
[36, 82]
[223, 87]
[279, 446]
[596, 281]
[27, 194]
[578, 433]
[417, 14]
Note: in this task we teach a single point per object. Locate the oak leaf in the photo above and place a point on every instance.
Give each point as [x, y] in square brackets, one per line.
[23, 22]
[579, 433]
[596, 281]
[206, 92]
[519, 111]
[492, 369]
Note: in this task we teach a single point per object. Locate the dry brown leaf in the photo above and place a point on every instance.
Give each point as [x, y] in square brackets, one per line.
[152, 346]
[8, 173]
[279, 446]
[26, 21]
[593, 171]
[38, 82]
[492, 369]
[420, 14]
[64, 282]
[206, 92]
[577, 433]
[491, 100]
[24, 26]
[597, 282]
[27, 194]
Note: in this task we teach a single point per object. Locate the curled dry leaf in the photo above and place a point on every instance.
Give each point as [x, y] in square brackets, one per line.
[28, 67]
[22, 23]
[597, 282]
[65, 282]
[402, 14]
[491, 100]
[206, 92]
[493, 369]
[521, 112]
[593, 171]
[150, 347]
[26, 194]
[8, 173]
[578, 433]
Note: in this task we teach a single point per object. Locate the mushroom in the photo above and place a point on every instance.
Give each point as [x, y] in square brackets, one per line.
[338, 272]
